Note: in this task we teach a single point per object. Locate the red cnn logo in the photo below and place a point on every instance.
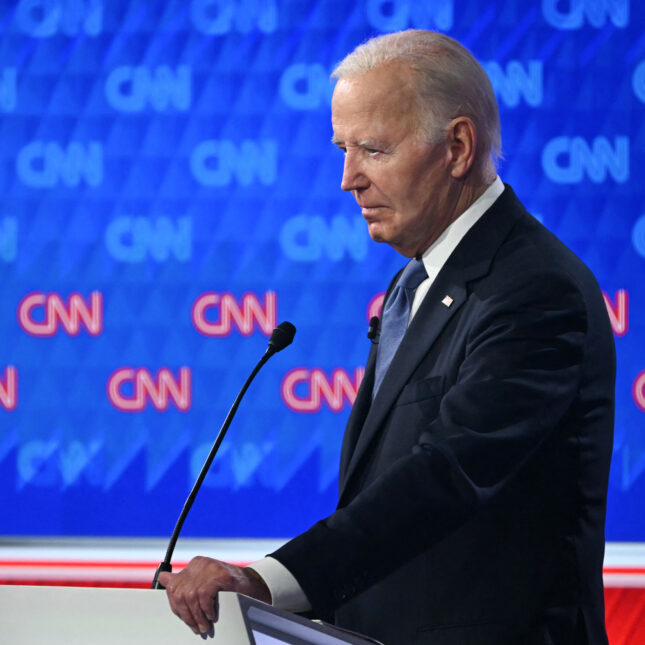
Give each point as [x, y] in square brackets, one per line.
[244, 316]
[314, 386]
[55, 313]
[158, 390]
[638, 391]
[618, 311]
[9, 388]
[375, 306]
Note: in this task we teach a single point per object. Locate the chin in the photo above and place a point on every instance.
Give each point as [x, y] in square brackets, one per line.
[376, 233]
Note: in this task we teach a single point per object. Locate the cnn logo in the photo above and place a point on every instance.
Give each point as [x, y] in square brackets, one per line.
[304, 390]
[9, 388]
[130, 389]
[42, 314]
[217, 314]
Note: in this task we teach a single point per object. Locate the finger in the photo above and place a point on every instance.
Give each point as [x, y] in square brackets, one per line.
[210, 634]
[181, 608]
[208, 605]
[184, 612]
[194, 606]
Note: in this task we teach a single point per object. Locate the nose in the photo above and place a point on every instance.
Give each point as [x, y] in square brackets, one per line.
[354, 177]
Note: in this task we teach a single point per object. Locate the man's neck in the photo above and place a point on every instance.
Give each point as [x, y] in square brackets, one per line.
[464, 194]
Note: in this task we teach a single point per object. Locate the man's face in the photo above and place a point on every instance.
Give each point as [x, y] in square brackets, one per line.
[400, 181]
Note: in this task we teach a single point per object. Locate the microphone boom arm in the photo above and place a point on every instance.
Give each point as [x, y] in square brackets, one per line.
[280, 338]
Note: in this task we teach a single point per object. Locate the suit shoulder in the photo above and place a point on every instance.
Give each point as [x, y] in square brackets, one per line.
[532, 253]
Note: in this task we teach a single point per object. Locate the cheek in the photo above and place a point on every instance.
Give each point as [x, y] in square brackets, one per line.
[401, 192]
[413, 199]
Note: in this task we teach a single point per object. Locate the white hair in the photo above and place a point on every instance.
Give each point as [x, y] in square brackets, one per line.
[448, 82]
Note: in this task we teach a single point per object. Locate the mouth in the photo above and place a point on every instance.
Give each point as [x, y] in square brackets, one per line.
[370, 211]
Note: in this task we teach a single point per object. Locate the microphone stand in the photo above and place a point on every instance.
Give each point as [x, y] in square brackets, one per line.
[280, 338]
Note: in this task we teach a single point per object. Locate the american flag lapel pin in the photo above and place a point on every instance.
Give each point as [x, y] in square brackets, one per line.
[447, 301]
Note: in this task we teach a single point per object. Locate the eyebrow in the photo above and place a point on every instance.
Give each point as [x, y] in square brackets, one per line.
[364, 143]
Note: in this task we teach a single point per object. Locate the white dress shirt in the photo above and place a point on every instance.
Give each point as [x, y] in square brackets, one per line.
[285, 591]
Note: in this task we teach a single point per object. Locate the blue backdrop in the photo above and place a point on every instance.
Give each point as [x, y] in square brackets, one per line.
[169, 193]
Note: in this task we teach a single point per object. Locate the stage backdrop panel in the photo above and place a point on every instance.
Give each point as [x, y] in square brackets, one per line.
[170, 193]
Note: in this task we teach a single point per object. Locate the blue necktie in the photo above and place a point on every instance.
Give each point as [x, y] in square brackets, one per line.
[395, 317]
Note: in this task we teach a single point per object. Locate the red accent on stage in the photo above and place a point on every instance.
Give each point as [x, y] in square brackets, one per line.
[625, 615]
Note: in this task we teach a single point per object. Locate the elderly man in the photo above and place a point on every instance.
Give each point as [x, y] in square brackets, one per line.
[474, 467]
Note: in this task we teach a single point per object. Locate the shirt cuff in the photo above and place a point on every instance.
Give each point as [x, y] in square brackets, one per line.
[285, 591]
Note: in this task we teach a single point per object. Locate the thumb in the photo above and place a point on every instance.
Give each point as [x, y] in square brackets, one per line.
[165, 577]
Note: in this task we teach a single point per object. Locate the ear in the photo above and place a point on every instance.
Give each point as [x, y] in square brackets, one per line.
[462, 141]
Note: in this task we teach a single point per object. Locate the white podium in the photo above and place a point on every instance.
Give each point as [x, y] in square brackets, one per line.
[92, 616]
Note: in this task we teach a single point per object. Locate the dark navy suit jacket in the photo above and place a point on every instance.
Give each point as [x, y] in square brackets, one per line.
[473, 487]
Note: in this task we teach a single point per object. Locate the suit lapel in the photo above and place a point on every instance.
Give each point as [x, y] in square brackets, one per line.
[363, 400]
[469, 261]
[427, 324]
[358, 414]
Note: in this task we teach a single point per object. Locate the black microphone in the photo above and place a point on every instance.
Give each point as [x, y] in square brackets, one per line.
[281, 337]
[372, 330]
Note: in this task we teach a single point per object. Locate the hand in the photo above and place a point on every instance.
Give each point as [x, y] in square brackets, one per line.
[192, 592]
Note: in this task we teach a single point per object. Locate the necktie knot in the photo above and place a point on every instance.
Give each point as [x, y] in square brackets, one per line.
[413, 274]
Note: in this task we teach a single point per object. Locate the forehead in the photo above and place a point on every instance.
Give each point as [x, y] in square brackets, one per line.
[380, 99]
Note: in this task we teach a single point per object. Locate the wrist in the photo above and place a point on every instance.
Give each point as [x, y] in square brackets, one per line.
[259, 587]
